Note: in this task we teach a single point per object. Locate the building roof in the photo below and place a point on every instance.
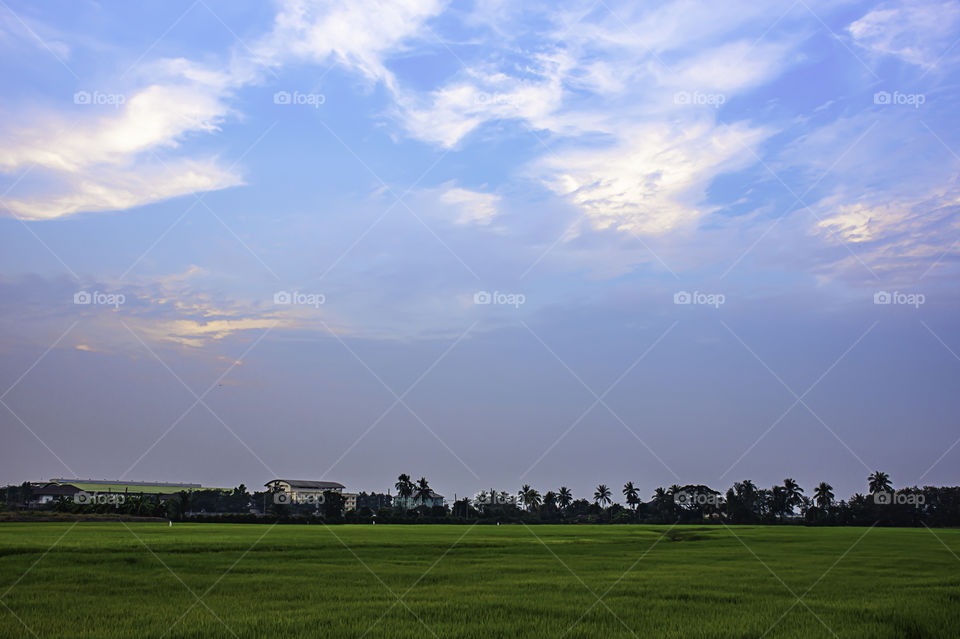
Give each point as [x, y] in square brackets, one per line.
[55, 490]
[135, 487]
[306, 483]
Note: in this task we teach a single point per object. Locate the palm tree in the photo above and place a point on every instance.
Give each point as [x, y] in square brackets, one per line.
[602, 495]
[663, 501]
[630, 493]
[481, 501]
[775, 501]
[793, 493]
[823, 495]
[529, 496]
[422, 492]
[523, 494]
[564, 497]
[880, 482]
[550, 500]
[404, 488]
[533, 499]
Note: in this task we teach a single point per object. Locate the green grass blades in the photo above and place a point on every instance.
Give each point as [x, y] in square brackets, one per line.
[109, 580]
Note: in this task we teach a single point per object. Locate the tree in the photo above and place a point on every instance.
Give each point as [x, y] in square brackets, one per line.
[533, 499]
[823, 495]
[564, 497]
[602, 495]
[663, 502]
[523, 494]
[793, 494]
[777, 501]
[550, 500]
[422, 492]
[404, 488]
[631, 495]
[879, 482]
[333, 503]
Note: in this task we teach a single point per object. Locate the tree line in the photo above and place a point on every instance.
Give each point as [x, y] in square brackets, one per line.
[742, 503]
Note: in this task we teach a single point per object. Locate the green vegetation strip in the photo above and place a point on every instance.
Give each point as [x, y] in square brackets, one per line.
[109, 580]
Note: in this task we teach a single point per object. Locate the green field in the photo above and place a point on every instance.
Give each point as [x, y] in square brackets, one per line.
[194, 580]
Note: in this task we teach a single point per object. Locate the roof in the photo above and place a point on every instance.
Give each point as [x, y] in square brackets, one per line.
[306, 483]
[56, 489]
[144, 488]
[114, 482]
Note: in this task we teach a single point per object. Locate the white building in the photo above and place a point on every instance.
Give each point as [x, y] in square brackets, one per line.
[306, 491]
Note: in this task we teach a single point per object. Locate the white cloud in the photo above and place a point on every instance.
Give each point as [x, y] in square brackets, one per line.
[357, 34]
[158, 116]
[104, 157]
[105, 161]
[113, 189]
[918, 31]
[445, 116]
[473, 206]
[653, 180]
[903, 236]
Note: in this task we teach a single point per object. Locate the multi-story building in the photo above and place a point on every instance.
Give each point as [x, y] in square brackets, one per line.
[305, 491]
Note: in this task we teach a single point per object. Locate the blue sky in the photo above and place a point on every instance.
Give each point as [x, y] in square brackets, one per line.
[288, 218]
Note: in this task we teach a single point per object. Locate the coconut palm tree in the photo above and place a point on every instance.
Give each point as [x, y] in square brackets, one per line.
[793, 494]
[523, 494]
[630, 494]
[663, 501]
[601, 496]
[880, 482]
[823, 495]
[422, 492]
[481, 501]
[564, 497]
[777, 501]
[533, 499]
[404, 488]
[550, 500]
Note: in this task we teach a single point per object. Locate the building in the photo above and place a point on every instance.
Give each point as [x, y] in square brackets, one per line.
[306, 491]
[349, 501]
[409, 503]
[46, 492]
[70, 487]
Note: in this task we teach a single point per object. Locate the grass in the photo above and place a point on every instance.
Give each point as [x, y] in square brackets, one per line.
[194, 580]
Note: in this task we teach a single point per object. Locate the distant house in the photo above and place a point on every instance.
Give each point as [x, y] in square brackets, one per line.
[409, 503]
[303, 490]
[349, 501]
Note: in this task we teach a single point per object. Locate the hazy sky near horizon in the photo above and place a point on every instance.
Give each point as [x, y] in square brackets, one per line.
[489, 243]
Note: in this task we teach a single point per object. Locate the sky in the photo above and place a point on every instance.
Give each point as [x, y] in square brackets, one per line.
[488, 243]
